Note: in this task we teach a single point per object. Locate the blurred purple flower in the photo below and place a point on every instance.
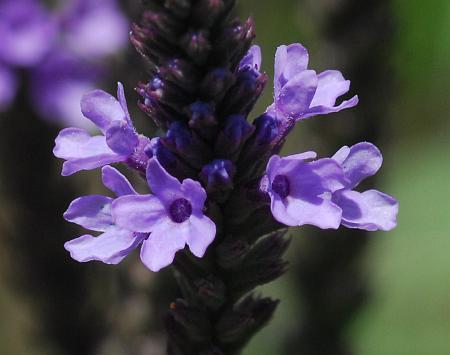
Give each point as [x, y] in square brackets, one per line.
[301, 93]
[370, 210]
[298, 190]
[93, 29]
[58, 85]
[117, 144]
[8, 86]
[173, 215]
[27, 32]
[94, 213]
[62, 50]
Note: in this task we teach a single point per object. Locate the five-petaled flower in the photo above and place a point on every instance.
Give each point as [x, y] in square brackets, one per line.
[94, 213]
[173, 216]
[301, 93]
[298, 190]
[117, 144]
[370, 210]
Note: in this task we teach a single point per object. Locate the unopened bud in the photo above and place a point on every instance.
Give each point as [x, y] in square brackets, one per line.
[233, 136]
[218, 178]
[197, 46]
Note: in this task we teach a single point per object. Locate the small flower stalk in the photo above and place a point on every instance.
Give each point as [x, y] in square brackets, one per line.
[220, 197]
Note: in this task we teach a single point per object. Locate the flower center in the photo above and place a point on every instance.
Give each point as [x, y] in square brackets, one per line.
[180, 210]
[280, 185]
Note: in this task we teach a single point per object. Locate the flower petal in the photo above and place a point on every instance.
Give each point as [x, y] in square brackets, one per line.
[322, 110]
[91, 212]
[279, 211]
[121, 138]
[123, 102]
[159, 250]
[110, 247]
[102, 109]
[82, 151]
[331, 174]
[297, 60]
[315, 211]
[371, 210]
[201, 233]
[252, 59]
[115, 181]
[195, 194]
[162, 184]
[302, 156]
[139, 213]
[341, 154]
[289, 61]
[331, 85]
[295, 97]
[272, 166]
[363, 160]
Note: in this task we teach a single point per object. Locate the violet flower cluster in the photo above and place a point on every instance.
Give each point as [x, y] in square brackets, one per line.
[219, 194]
[59, 51]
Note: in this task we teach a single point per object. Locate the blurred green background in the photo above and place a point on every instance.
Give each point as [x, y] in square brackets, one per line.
[409, 268]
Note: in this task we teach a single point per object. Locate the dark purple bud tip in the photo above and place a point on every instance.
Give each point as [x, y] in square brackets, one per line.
[178, 137]
[234, 134]
[237, 129]
[206, 12]
[216, 83]
[266, 129]
[280, 185]
[218, 174]
[196, 46]
[180, 210]
[201, 114]
[157, 150]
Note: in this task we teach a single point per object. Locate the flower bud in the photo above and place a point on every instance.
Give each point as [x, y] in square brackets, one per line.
[233, 136]
[161, 114]
[211, 291]
[206, 12]
[181, 73]
[179, 8]
[202, 119]
[183, 142]
[216, 83]
[194, 322]
[237, 325]
[233, 42]
[197, 46]
[258, 147]
[174, 165]
[149, 41]
[242, 96]
[218, 178]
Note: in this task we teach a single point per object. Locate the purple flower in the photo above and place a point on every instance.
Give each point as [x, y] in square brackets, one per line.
[370, 210]
[26, 30]
[94, 213]
[301, 93]
[94, 29]
[8, 86]
[118, 142]
[252, 60]
[58, 85]
[173, 216]
[299, 190]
